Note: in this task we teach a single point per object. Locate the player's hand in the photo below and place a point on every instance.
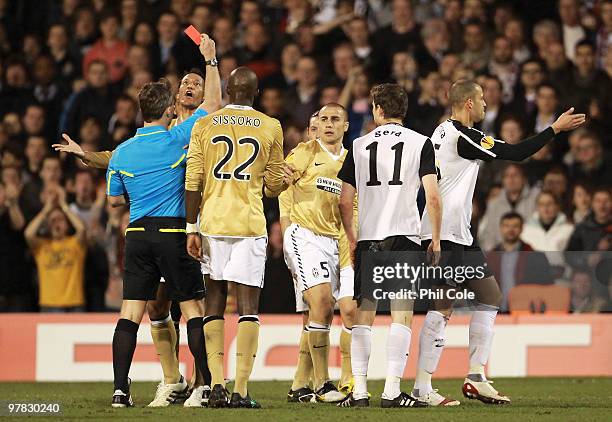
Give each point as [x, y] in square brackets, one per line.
[71, 148]
[194, 246]
[433, 254]
[207, 47]
[352, 249]
[288, 170]
[568, 121]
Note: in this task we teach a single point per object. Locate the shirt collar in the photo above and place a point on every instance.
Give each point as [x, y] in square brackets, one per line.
[147, 130]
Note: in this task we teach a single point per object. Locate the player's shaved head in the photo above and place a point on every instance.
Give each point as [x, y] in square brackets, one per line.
[336, 106]
[242, 86]
[461, 91]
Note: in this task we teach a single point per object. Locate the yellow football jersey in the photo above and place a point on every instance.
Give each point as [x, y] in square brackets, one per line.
[312, 200]
[233, 153]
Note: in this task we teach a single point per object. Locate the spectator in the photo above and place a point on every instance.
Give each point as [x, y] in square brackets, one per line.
[344, 60]
[65, 60]
[33, 121]
[201, 18]
[588, 81]
[581, 202]
[604, 35]
[559, 70]
[593, 234]
[555, 181]
[224, 36]
[15, 90]
[476, 53]
[129, 17]
[15, 288]
[532, 75]
[109, 48]
[360, 41]
[355, 98]
[516, 195]
[496, 109]
[537, 166]
[404, 71]
[171, 52]
[514, 261]
[122, 124]
[503, 65]
[402, 34]
[35, 150]
[96, 99]
[84, 30]
[571, 30]
[591, 164]
[285, 77]
[302, 100]
[435, 43]
[514, 31]
[256, 53]
[49, 93]
[548, 230]
[545, 33]
[584, 299]
[426, 112]
[60, 258]
[546, 107]
[272, 103]
[47, 179]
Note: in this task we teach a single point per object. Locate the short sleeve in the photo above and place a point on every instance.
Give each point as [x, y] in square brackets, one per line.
[347, 172]
[114, 183]
[182, 132]
[428, 159]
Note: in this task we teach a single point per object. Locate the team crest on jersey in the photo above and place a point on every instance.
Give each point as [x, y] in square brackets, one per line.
[329, 185]
[487, 142]
[315, 272]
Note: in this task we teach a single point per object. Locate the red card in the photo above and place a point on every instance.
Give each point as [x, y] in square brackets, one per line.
[193, 33]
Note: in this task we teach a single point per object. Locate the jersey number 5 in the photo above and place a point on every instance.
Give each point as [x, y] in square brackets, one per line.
[238, 171]
[397, 164]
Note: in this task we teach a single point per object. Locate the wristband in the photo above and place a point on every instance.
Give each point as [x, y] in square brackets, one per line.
[192, 228]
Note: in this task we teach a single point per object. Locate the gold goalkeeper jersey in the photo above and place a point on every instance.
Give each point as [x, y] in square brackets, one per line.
[312, 200]
[233, 153]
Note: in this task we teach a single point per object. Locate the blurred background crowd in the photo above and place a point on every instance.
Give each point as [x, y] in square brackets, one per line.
[76, 66]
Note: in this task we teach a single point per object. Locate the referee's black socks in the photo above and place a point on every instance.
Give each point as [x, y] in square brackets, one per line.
[197, 346]
[124, 344]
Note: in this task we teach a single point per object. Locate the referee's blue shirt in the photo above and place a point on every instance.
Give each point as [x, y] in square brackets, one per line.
[150, 168]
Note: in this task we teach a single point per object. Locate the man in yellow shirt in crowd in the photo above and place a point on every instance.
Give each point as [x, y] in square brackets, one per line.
[60, 258]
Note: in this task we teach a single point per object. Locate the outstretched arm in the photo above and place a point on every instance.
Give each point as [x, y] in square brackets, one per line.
[98, 160]
[473, 145]
[212, 82]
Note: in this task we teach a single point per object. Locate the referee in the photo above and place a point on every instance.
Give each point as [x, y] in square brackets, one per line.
[149, 169]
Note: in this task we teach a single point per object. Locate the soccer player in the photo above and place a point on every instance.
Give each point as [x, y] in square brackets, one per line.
[459, 149]
[193, 89]
[385, 168]
[310, 207]
[233, 154]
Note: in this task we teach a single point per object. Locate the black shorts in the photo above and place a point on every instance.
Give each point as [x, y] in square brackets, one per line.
[370, 250]
[157, 247]
[460, 257]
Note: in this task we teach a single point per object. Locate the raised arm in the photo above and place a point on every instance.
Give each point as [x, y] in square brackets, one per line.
[74, 219]
[31, 231]
[473, 145]
[212, 82]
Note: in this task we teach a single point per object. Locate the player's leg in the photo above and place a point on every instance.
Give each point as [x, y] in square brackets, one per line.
[247, 340]
[476, 385]
[320, 306]
[361, 347]
[174, 386]
[214, 331]
[300, 388]
[175, 314]
[348, 310]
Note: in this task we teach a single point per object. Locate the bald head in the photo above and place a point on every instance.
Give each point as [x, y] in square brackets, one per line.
[242, 85]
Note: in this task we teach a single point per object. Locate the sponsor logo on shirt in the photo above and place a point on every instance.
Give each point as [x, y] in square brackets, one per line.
[329, 185]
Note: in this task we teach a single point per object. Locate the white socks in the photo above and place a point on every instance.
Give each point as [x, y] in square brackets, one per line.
[398, 345]
[481, 337]
[361, 345]
[431, 344]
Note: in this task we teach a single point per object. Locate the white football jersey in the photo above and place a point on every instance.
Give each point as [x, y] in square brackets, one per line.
[458, 151]
[386, 167]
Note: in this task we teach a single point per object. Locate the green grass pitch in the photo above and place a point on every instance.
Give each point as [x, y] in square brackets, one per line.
[533, 399]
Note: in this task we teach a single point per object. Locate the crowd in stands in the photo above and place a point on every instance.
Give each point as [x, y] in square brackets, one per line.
[76, 66]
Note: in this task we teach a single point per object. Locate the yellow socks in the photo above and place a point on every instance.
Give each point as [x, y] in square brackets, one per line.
[164, 338]
[318, 341]
[246, 348]
[345, 352]
[303, 372]
[214, 335]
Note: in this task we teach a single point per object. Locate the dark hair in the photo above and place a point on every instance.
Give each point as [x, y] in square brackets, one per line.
[497, 80]
[154, 98]
[108, 14]
[512, 215]
[551, 194]
[195, 71]
[340, 106]
[602, 189]
[461, 91]
[585, 42]
[391, 98]
[549, 86]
